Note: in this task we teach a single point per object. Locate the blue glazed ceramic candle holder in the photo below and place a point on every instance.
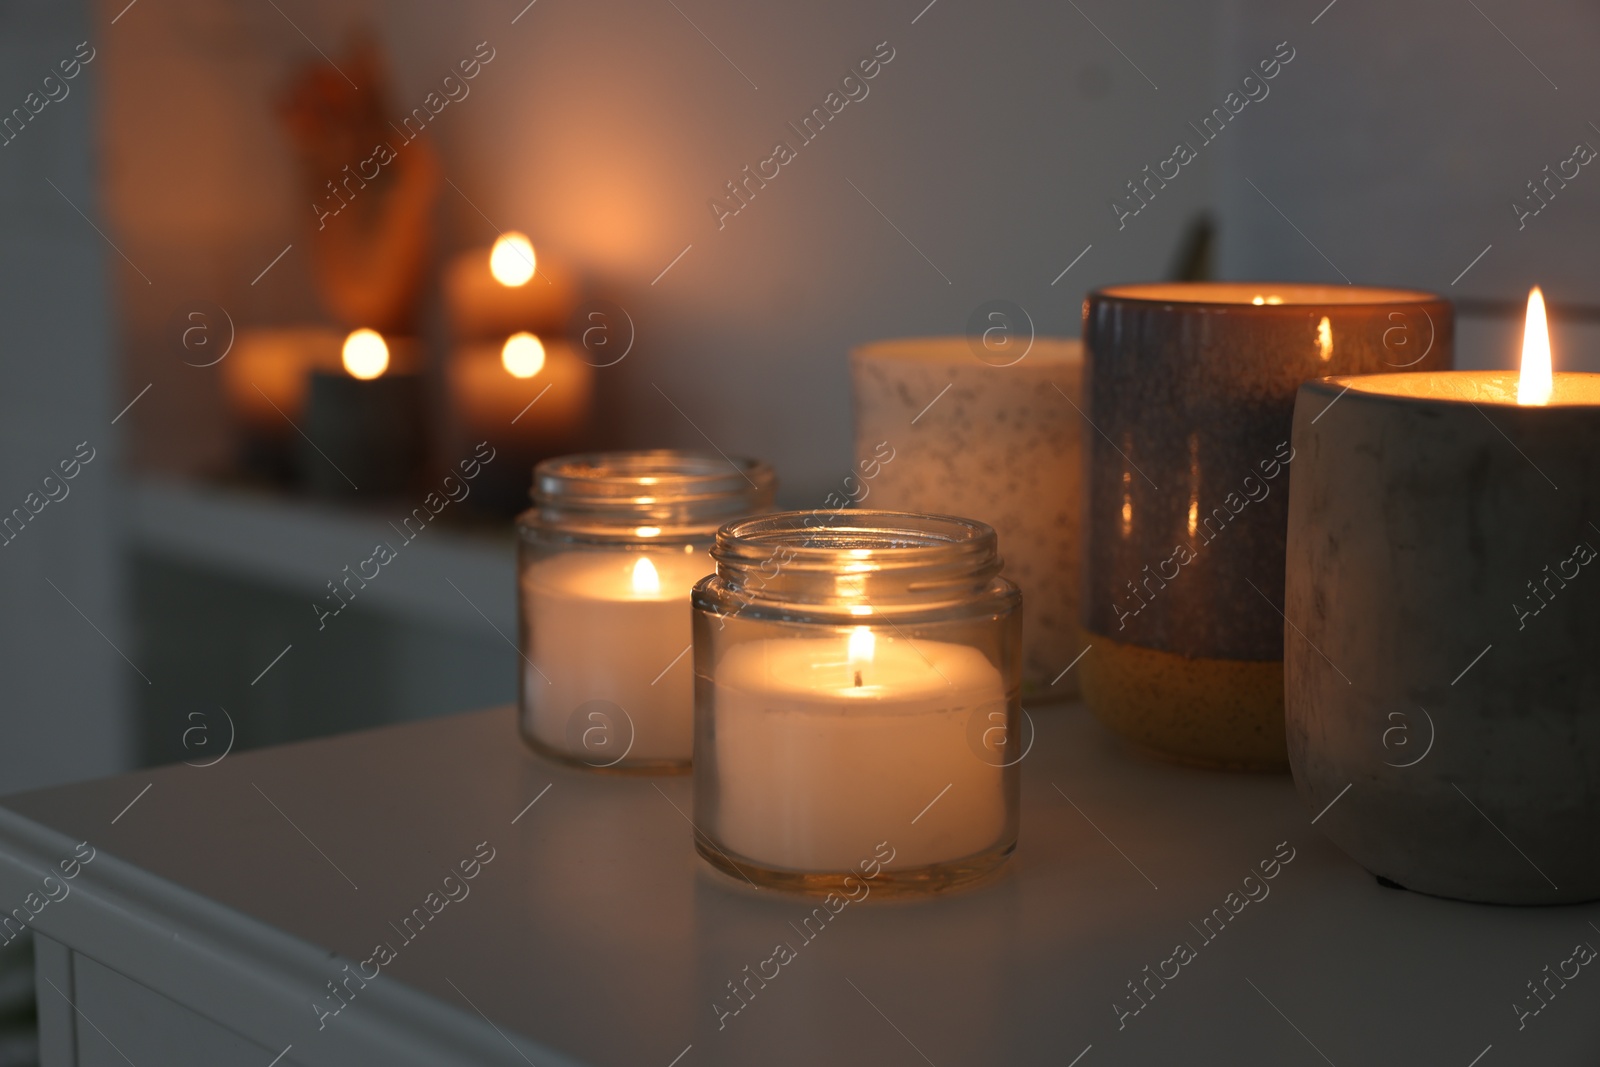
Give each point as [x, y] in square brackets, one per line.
[1191, 391]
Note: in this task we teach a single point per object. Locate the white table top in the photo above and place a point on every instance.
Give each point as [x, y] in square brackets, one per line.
[596, 936]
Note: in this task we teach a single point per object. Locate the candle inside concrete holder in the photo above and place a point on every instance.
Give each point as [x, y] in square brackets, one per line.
[606, 560]
[1443, 644]
[946, 425]
[364, 423]
[856, 702]
[1191, 390]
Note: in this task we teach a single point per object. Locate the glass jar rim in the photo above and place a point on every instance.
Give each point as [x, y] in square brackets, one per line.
[660, 487]
[855, 562]
[855, 528]
[825, 539]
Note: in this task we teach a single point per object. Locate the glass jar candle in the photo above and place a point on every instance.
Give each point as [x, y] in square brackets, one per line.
[606, 560]
[856, 702]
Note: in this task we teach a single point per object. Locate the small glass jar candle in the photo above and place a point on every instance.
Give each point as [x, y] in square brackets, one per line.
[856, 712]
[606, 560]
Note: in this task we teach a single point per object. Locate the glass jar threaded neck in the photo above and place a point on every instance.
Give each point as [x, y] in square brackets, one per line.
[858, 562]
[672, 493]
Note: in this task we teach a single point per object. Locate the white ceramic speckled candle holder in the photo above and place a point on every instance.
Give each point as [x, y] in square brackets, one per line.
[998, 441]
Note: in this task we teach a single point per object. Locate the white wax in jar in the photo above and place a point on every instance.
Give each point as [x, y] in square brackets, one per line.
[604, 626]
[813, 769]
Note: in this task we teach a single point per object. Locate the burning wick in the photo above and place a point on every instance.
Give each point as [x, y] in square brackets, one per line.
[1535, 382]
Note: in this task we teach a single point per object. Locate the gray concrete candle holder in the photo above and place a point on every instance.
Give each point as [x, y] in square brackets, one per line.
[1191, 391]
[1443, 641]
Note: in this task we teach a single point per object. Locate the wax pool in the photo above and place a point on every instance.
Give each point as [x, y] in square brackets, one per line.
[813, 769]
[604, 628]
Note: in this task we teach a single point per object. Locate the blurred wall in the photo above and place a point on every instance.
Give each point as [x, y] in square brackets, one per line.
[979, 165]
[1394, 148]
[984, 159]
[66, 685]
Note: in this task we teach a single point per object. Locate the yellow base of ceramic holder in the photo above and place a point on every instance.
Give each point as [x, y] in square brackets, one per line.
[1219, 713]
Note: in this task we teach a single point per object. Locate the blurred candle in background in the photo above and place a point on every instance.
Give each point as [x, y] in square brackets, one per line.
[363, 426]
[512, 381]
[522, 355]
[264, 376]
[512, 261]
[364, 355]
[505, 289]
[492, 386]
[529, 398]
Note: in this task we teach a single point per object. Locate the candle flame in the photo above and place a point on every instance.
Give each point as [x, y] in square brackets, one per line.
[523, 355]
[1535, 383]
[646, 581]
[1325, 339]
[863, 643]
[365, 355]
[512, 261]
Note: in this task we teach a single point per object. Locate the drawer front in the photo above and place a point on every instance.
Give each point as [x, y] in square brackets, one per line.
[118, 1021]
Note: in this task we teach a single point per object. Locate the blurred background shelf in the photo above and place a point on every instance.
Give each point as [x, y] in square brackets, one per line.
[224, 580]
[445, 575]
